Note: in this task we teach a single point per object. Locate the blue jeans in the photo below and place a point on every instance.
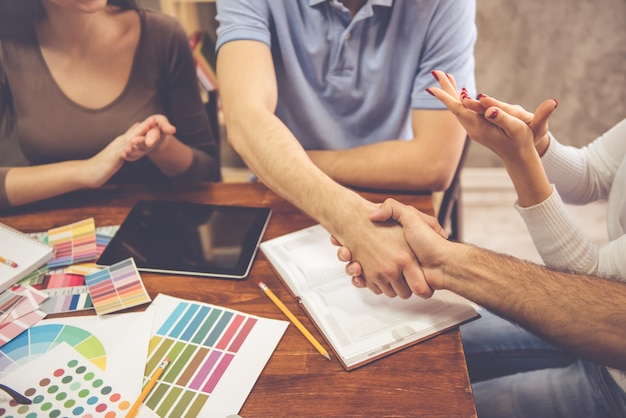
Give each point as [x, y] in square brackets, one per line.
[516, 374]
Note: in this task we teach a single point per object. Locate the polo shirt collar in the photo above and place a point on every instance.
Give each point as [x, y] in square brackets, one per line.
[386, 3]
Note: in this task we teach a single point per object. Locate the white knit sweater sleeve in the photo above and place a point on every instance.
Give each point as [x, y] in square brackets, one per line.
[583, 175]
[580, 176]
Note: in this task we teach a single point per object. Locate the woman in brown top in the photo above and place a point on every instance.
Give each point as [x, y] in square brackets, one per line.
[99, 92]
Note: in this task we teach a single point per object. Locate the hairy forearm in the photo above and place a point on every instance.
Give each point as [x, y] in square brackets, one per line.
[276, 157]
[584, 314]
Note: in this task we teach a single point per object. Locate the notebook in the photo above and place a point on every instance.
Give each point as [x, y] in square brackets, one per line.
[359, 326]
[189, 238]
[20, 255]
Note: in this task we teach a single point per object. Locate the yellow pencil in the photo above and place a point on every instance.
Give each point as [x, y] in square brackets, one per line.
[294, 320]
[144, 393]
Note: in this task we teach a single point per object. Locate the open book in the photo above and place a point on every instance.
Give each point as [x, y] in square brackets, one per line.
[359, 325]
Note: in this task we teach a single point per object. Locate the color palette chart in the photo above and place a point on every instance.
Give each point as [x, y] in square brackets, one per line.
[39, 339]
[73, 243]
[117, 344]
[62, 383]
[216, 355]
[116, 287]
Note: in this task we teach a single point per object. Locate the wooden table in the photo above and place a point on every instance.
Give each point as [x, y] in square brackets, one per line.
[427, 379]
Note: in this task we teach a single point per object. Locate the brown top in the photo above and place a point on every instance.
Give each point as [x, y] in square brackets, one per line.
[51, 128]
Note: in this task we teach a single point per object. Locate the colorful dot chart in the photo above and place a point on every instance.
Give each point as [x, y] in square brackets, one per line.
[62, 383]
[216, 355]
[115, 344]
[116, 287]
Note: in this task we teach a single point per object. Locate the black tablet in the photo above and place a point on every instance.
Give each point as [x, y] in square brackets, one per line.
[189, 238]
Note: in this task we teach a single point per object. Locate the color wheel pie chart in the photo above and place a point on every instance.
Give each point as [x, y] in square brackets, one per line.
[39, 339]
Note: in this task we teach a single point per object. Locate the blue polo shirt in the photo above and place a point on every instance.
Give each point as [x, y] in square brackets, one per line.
[345, 82]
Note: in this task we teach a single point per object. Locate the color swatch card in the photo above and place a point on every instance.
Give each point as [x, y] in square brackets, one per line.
[104, 235]
[66, 291]
[116, 287]
[19, 301]
[67, 299]
[216, 355]
[21, 309]
[63, 383]
[73, 243]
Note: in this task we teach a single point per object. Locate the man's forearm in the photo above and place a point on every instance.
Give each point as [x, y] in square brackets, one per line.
[427, 162]
[388, 165]
[584, 314]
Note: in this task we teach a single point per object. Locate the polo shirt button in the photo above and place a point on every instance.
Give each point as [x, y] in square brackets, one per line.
[346, 36]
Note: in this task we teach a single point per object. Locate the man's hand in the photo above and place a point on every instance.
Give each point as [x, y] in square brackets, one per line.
[388, 211]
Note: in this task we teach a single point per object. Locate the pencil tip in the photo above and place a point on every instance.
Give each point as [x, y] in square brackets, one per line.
[326, 355]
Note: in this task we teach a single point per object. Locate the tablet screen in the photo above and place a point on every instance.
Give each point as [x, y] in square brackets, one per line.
[189, 238]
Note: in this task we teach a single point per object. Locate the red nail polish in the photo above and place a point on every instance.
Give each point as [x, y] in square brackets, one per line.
[480, 95]
[435, 75]
[494, 114]
[429, 92]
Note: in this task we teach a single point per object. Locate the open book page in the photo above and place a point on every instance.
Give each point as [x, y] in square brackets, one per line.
[357, 323]
[304, 259]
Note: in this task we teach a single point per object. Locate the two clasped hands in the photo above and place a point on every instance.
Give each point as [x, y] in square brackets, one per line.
[517, 136]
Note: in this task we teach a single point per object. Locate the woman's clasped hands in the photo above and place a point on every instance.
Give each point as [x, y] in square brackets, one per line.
[140, 140]
[508, 130]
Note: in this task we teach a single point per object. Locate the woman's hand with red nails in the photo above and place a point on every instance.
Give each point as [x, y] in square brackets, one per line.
[508, 132]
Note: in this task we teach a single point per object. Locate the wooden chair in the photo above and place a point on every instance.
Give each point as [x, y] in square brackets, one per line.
[448, 211]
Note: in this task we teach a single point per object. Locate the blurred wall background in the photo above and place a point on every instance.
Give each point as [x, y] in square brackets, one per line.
[574, 51]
